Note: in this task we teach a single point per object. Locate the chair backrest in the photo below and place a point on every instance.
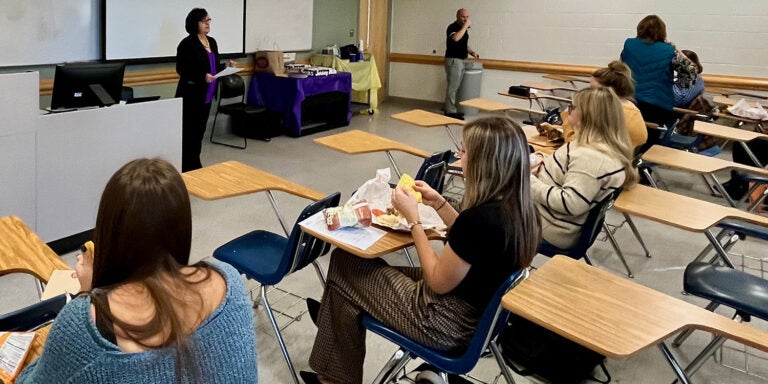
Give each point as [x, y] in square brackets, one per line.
[33, 316]
[433, 169]
[303, 248]
[231, 86]
[491, 323]
[594, 224]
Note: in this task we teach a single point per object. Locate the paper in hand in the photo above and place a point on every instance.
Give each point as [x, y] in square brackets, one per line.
[228, 71]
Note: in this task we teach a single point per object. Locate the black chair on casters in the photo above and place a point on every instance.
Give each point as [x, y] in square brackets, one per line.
[233, 86]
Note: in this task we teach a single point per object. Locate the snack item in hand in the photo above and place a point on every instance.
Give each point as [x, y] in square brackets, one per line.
[350, 215]
[554, 133]
[407, 182]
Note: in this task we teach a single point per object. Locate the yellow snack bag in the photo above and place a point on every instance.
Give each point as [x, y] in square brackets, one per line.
[407, 182]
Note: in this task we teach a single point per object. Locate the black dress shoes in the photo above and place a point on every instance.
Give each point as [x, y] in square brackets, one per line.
[313, 307]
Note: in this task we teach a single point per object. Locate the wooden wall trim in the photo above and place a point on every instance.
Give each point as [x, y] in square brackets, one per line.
[728, 81]
[139, 78]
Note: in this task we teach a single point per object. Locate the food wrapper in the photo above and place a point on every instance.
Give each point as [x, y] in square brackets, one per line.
[377, 191]
[356, 214]
[744, 109]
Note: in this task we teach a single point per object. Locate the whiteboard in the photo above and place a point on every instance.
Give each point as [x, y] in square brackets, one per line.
[48, 31]
[284, 25]
[140, 29]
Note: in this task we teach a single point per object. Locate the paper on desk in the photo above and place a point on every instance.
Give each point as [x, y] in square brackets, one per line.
[61, 281]
[228, 71]
[14, 347]
[361, 238]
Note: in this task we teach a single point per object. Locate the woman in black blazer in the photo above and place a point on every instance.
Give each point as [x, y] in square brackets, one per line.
[197, 60]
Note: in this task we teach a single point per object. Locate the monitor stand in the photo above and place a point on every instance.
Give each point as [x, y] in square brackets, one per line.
[104, 97]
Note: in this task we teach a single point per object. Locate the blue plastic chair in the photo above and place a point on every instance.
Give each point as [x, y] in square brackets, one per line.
[34, 316]
[490, 324]
[268, 258]
[592, 226]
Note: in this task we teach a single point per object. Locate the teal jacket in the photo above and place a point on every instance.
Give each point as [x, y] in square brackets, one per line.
[651, 65]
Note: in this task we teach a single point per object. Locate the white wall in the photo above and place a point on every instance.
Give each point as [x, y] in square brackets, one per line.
[730, 37]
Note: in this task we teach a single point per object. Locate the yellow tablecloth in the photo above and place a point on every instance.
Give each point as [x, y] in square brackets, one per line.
[365, 77]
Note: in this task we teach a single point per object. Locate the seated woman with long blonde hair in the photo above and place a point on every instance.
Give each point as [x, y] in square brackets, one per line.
[585, 170]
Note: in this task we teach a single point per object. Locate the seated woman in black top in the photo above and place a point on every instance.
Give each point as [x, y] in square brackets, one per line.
[439, 304]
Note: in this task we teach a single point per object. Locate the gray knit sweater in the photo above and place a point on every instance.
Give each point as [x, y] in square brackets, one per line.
[569, 183]
[224, 346]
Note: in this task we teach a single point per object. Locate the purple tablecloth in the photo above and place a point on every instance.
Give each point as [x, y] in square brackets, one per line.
[285, 94]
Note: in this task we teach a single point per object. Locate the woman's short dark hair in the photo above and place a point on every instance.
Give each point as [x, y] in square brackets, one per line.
[194, 16]
[652, 28]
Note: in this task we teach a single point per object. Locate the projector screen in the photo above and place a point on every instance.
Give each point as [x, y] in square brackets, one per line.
[151, 29]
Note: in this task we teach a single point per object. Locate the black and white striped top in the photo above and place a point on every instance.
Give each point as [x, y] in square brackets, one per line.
[570, 182]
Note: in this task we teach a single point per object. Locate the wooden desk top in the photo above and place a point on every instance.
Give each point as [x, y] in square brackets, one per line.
[232, 178]
[391, 242]
[548, 87]
[534, 96]
[679, 211]
[356, 142]
[565, 78]
[685, 111]
[728, 115]
[427, 119]
[693, 162]
[496, 106]
[532, 134]
[22, 251]
[724, 132]
[611, 315]
[729, 102]
[721, 91]
[36, 349]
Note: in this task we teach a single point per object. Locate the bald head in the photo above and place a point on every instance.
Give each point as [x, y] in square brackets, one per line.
[462, 15]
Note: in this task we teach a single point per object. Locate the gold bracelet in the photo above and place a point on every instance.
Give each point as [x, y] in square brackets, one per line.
[441, 205]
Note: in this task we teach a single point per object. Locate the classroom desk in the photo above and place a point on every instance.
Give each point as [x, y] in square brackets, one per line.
[488, 105]
[614, 316]
[356, 142]
[22, 251]
[302, 101]
[741, 136]
[548, 87]
[538, 98]
[726, 102]
[704, 165]
[729, 102]
[391, 242]
[232, 178]
[682, 212]
[426, 119]
[566, 78]
[720, 91]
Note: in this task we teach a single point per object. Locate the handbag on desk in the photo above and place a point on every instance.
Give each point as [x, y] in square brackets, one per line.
[519, 90]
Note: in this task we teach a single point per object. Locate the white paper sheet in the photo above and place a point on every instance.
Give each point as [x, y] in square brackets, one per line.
[361, 238]
[228, 71]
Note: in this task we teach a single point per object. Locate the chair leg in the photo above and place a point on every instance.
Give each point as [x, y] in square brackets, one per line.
[637, 234]
[708, 351]
[394, 365]
[320, 273]
[616, 248]
[408, 257]
[679, 371]
[500, 361]
[279, 336]
[213, 131]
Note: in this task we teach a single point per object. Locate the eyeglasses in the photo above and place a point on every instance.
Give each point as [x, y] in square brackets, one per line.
[571, 108]
[206, 21]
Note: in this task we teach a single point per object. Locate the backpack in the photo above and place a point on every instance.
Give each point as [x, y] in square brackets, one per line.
[529, 349]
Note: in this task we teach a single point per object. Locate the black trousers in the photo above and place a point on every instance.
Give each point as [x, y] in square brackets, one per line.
[193, 124]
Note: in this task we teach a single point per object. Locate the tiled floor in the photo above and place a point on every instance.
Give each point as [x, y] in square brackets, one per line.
[301, 160]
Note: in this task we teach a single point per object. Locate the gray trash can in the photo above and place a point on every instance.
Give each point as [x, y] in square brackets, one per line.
[471, 85]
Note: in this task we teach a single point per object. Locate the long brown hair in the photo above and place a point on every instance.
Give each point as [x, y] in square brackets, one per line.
[143, 235]
[498, 168]
[602, 126]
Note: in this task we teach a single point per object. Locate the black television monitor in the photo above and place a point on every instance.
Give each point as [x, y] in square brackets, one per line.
[87, 85]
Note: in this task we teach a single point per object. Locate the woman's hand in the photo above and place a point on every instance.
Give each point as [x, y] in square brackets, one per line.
[428, 195]
[537, 160]
[232, 63]
[84, 270]
[209, 78]
[406, 204]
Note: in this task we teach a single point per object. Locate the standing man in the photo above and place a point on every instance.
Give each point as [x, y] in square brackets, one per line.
[456, 50]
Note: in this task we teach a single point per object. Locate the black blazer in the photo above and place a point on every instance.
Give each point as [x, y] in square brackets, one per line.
[192, 65]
